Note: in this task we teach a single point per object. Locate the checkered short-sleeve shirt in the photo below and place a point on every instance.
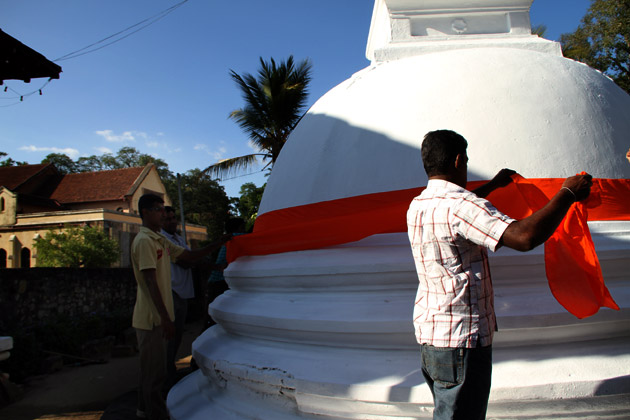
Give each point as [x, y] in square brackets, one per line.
[450, 229]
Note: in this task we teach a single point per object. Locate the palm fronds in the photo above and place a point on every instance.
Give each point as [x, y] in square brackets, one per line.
[274, 104]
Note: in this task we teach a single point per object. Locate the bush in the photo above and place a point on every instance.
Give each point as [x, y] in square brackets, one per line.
[76, 246]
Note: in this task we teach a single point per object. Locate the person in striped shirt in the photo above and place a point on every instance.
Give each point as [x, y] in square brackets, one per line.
[450, 230]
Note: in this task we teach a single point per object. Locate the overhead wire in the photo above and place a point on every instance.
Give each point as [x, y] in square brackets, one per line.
[88, 49]
[151, 20]
[240, 176]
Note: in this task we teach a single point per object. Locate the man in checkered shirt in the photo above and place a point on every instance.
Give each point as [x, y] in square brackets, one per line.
[450, 230]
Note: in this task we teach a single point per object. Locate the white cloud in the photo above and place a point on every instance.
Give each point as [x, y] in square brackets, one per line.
[126, 136]
[103, 150]
[216, 154]
[73, 153]
[161, 146]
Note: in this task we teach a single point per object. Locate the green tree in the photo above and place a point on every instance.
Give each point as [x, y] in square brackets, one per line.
[76, 246]
[10, 162]
[274, 104]
[90, 164]
[62, 162]
[126, 157]
[603, 40]
[248, 203]
[205, 201]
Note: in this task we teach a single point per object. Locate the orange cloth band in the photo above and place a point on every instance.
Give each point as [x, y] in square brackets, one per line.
[571, 264]
[350, 219]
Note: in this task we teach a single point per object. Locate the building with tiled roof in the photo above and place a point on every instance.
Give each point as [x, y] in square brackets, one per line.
[37, 198]
[103, 186]
[21, 177]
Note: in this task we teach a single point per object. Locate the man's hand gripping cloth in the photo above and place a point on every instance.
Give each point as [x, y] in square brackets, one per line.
[571, 264]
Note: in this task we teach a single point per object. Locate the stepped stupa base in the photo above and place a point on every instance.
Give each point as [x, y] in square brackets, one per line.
[277, 381]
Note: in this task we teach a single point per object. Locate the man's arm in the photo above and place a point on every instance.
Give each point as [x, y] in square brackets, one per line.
[189, 256]
[500, 180]
[527, 234]
[150, 278]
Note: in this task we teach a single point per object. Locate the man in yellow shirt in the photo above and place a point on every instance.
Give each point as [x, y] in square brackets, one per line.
[153, 314]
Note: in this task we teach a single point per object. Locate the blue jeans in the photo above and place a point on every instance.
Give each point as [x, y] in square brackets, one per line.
[459, 379]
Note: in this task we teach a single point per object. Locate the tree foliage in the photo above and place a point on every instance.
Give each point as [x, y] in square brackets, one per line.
[248, 203]
[539, 30]
[76, 246]
[10, 162]
[62, 162]
[126, 157]
[274, 104]
[603, 40]
[205, 201]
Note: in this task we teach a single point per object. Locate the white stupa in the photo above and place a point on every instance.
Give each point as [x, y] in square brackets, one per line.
[327, 333]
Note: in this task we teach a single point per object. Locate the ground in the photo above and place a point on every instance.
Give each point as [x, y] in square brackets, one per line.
[88, 392]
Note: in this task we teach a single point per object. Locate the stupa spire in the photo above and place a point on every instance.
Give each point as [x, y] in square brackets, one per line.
[404, 28]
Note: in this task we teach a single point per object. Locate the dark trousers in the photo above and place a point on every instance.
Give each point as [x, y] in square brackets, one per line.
[459, 379]
[152, 373]
[181, 310]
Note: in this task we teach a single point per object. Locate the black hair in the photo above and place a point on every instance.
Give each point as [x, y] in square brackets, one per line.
[169, 209]
[147, 201]
[440, 149]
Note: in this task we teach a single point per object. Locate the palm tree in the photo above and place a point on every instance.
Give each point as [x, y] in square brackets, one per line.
[539, 30]
[274, 104]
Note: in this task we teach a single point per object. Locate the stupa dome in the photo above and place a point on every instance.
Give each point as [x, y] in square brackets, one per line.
[540, 114]
[326, 332]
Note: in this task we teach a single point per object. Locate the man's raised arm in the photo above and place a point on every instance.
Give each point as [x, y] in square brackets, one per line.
[194, 255]
[500, 180]
[527, 234]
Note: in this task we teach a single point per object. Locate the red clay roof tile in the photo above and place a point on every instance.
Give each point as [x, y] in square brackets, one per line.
[13, 176]
[96, 186]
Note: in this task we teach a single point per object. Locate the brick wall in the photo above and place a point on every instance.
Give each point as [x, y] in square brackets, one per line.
[36, 295]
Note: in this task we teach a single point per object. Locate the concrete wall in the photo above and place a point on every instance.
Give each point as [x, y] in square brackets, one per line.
[8, 205]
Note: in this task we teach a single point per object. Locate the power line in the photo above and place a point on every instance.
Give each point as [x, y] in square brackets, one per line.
[240, 176]
[146, 22]
[89, 49]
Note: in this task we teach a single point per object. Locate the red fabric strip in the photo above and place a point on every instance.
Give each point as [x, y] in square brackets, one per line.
[571, 264]
[350, 219]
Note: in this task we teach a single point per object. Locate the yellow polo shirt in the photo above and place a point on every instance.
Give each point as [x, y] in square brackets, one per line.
[152, 250]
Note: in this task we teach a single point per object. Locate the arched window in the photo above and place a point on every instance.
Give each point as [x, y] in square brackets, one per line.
[3, 258]
[25, 258]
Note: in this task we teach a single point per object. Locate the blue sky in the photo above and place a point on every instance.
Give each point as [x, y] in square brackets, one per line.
[166, 90]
